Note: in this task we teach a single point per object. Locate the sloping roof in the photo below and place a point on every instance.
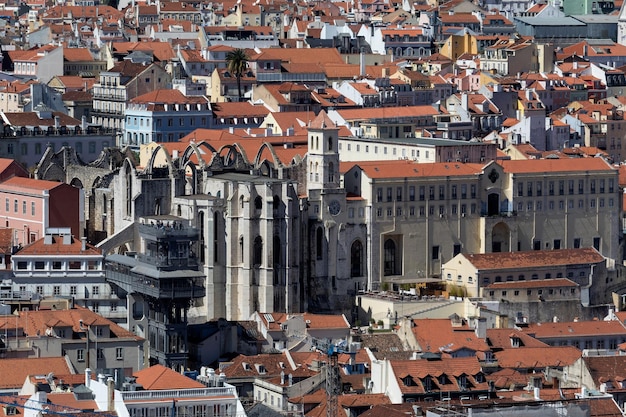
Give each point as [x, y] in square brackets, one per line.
[538, 357]
[77, 54]
[159, 377]
[57, 247]
[554, 165]
[440, 335]
[15, 370]
[30, 184]
[533, 259]
[573, 329]
[402, 169]
[500, 338]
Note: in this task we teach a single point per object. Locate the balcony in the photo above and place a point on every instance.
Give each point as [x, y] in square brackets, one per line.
[161, 395]
[175, 285]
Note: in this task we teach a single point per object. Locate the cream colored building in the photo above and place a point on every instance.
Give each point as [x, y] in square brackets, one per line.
[422, 215]
[482, 275]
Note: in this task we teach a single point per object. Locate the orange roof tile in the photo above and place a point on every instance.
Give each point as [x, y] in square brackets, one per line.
[534, 259]
[159, 377]
[15, 370]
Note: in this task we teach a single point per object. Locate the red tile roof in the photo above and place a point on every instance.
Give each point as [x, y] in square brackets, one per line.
[555, 165]
[538, 357]
[542, 283]
[440, 335]
[29, 184]
[533, 259]
[15, 370]
[159, 377]
[572, 329]
[401, 169]
[57, 247]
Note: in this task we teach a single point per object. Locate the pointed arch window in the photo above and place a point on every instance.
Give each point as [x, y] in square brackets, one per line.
[356, 259]
[258, 251]
[319, 243]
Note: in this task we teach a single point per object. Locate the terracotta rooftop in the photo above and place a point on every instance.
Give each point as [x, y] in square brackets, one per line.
[533, 259]
[159, 377]
[57, 247]
[538, 357]
[15, 370]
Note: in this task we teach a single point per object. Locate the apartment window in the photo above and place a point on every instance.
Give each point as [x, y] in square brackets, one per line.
[23, 207]
[412, 211]
[611, 185]
[100, 353]
[73, 290]
[40, 264]
[422, 193]
[601, 186]
[95, 307]
[411, 193]
[15, 206]
[379, 195]
[32, 208]
[453, 191]
[95, 290]
[570, 187]
[75, 264]
[592, 186]
[520, 189]
[557, 244]
[473, 191]
[80, 355]
[119, 353]
[435, 252]
[39, 289]
[56, 290]
[530, 189]
[581, 186]
[6, 202]
[538, 189]
[57, 264]
[456, 249]
[551, 188]
[576, 243]
[463, 191]
[22, 265]
[399, 194]
[431, 193]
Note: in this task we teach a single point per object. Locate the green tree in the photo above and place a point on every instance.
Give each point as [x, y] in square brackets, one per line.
[237, 61]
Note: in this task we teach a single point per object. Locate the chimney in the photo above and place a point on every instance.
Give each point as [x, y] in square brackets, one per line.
[464, 101]
[87, 377]
[110, 394]
[481, 327]
[536, 393]
[83, 124]
[83, 244]
[290, 380]
[57, 122]
[362, 64]
[282, 377]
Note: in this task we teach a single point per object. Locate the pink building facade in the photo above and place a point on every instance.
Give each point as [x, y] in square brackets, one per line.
[31, 206]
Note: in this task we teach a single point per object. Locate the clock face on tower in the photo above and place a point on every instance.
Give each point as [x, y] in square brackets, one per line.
[334, 207]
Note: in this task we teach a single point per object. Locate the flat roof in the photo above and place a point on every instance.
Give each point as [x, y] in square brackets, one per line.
[555, 21]
[417, 141]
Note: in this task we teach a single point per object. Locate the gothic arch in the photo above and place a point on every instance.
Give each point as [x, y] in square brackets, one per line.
[356, 259]
[76, 182]
[193, 148]
[191, 178]
[168, 160]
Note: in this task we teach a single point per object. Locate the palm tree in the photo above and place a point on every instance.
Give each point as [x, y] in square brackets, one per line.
[237, 60]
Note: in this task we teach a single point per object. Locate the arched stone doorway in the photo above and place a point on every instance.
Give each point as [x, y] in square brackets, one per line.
[500, 238]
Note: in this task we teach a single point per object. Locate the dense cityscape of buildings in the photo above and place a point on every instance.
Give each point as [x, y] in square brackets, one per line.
[284, 208]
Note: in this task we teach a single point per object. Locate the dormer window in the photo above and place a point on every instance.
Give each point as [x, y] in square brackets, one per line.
[10, 410]
[246, 366]
[260, 368]
[515, 341]
[408, 381]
